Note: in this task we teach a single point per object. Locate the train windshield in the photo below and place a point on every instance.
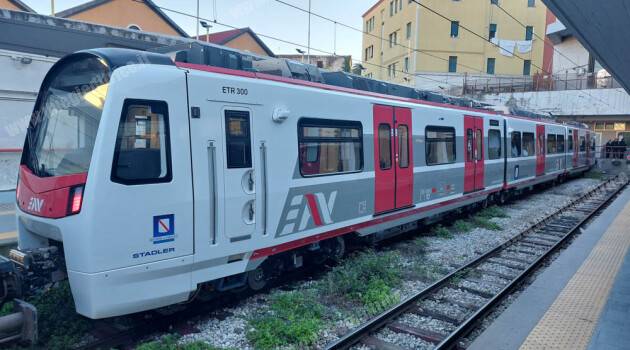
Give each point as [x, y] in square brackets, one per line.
[61, 136]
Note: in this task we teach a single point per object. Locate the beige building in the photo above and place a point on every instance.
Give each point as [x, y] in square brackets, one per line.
[395, 27]
[329, 62]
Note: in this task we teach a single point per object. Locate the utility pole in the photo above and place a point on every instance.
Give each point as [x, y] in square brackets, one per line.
[309, 32]
[197, 25]
[52, 7]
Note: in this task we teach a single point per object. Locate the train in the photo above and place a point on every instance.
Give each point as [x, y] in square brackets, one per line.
[145, 181]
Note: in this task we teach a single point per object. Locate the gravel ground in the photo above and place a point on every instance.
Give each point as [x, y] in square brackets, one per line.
[441, 255]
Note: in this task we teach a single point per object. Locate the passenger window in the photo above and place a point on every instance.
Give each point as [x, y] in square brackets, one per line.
[440, 145]
[142, 154]
[384, 146]
[560, 139]
[494, 144]
[516, 144]
[329, 146]
[479, 149]
[592, 143]
[403, 145]
[237, 139]
[570, 142]
[469, 145]
[529, 144]
[551, 144]
[582, 144]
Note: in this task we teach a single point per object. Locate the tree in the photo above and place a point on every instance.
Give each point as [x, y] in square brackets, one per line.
[346, 64]
[357, 68]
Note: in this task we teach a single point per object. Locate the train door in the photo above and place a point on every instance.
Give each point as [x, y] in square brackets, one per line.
[474, 162]
[540, 149]
[393, 158]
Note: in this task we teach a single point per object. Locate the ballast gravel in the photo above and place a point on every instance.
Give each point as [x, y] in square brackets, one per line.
[439, 255]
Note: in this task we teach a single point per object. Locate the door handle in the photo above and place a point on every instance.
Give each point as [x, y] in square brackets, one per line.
[212, 172]
[250, 181]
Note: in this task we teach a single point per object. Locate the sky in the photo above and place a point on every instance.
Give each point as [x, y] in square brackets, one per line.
[266, 17]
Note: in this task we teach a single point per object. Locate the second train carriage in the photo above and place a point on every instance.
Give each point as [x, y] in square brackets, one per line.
[152, 180]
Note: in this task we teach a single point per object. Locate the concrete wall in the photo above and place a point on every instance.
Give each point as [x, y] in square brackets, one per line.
[22, 75]
[603, 102]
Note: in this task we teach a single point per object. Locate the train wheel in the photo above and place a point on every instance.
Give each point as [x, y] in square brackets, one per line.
[484, 203]
[338, 249]
[256, 279]
[503, 197]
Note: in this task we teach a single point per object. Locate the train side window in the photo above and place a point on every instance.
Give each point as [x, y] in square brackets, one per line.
[238, 139]
[560, 139]
[592, 143]
[582, 144]
[494, 144]
[329, 146]
[479, 149]
[403, 144]
[570, 142]
[440, 145]
[515, 144]
[529, 144]
[142, 154]
[384, 146]
[469, 145]
[551, 144]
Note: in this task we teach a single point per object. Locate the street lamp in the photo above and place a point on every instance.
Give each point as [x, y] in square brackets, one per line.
[207, 26]
[301, 52]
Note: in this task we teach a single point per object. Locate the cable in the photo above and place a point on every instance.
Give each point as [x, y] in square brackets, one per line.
[484, 39]
[291, 43]
[373, 35]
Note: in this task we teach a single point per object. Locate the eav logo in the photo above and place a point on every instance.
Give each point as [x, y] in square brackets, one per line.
[35, 204]
[314, 207]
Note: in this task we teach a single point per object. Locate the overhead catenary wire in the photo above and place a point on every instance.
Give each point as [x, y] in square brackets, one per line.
[288, 42]
[497, 45]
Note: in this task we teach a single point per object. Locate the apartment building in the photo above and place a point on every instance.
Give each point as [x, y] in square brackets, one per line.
[402, 38]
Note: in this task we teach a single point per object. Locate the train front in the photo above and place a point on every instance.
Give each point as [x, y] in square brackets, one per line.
[62, 231]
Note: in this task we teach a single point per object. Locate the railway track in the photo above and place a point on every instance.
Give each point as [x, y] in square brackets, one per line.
[481, 283]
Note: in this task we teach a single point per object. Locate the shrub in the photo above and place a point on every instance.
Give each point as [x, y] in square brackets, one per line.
[378, 296]
[463, 226]
[441, 231]
[293, 318]
[493, 212]
[484, 222]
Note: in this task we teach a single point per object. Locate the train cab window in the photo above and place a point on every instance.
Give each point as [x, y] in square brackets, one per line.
[529, 144]
[329, 146]
[560, 139]
[582, 144]
[570, 142]
[551, 144]
[440, 145]
[384, 147]
[142, 154]
[403, 144]
[515, 144]
[494, 144]
[237, 139]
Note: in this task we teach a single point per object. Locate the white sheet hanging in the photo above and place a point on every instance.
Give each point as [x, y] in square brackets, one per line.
[506, 47]
[524, 46]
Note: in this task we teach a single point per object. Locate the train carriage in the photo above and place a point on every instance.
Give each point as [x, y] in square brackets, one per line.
[151, 180]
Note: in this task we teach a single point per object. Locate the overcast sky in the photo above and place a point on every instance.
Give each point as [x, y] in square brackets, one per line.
[267, 17]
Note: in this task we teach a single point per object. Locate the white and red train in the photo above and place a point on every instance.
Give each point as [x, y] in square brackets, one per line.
[149, 181]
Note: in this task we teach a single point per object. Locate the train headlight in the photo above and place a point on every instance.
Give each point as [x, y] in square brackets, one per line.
[76, 200]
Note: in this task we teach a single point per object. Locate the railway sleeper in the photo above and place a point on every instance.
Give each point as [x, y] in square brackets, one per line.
[480, 281]
[497, 274]
[425, 312]
[481, 293]
[526, 252]
[541, 236]
[426, 335]
[499, 261]
[376, 343]
[462, 304]
[536, 243]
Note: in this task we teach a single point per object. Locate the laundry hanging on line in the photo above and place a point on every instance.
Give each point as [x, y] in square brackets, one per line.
[524, 46]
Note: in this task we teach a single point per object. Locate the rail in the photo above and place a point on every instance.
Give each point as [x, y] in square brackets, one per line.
[537, 243]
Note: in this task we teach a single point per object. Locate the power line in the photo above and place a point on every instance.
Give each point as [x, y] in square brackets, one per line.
[292, 43]
[373, 35]
[484, 39]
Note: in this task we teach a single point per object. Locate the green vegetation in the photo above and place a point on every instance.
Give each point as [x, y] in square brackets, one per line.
[594, 174]
[367, 278]
[463, 226]
[441, 231]
[293, 318]
[416, 247]
[169, 342]
[484, 222]
[6, 308]
[493, 212]
[428, 272]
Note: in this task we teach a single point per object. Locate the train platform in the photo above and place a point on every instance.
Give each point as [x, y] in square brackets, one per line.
[581, 300]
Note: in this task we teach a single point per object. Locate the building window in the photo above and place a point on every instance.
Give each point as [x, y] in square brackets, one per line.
[515, 144]
[391, 8]
[369, 25]
[494, 144]
[406, 64]
[490, 65]
[142, 153]
[494, 2]
[454, 29]
[330, 146]
[529, 32]
[440, 145]
[400, 3]
[384, 147]
[527, 67]
[393, 39]
[391, 70]
[531, 3]
[408, 30]
[452, 64]
[238, 140]
[369, 52]
[529, 144]
[492, 32]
